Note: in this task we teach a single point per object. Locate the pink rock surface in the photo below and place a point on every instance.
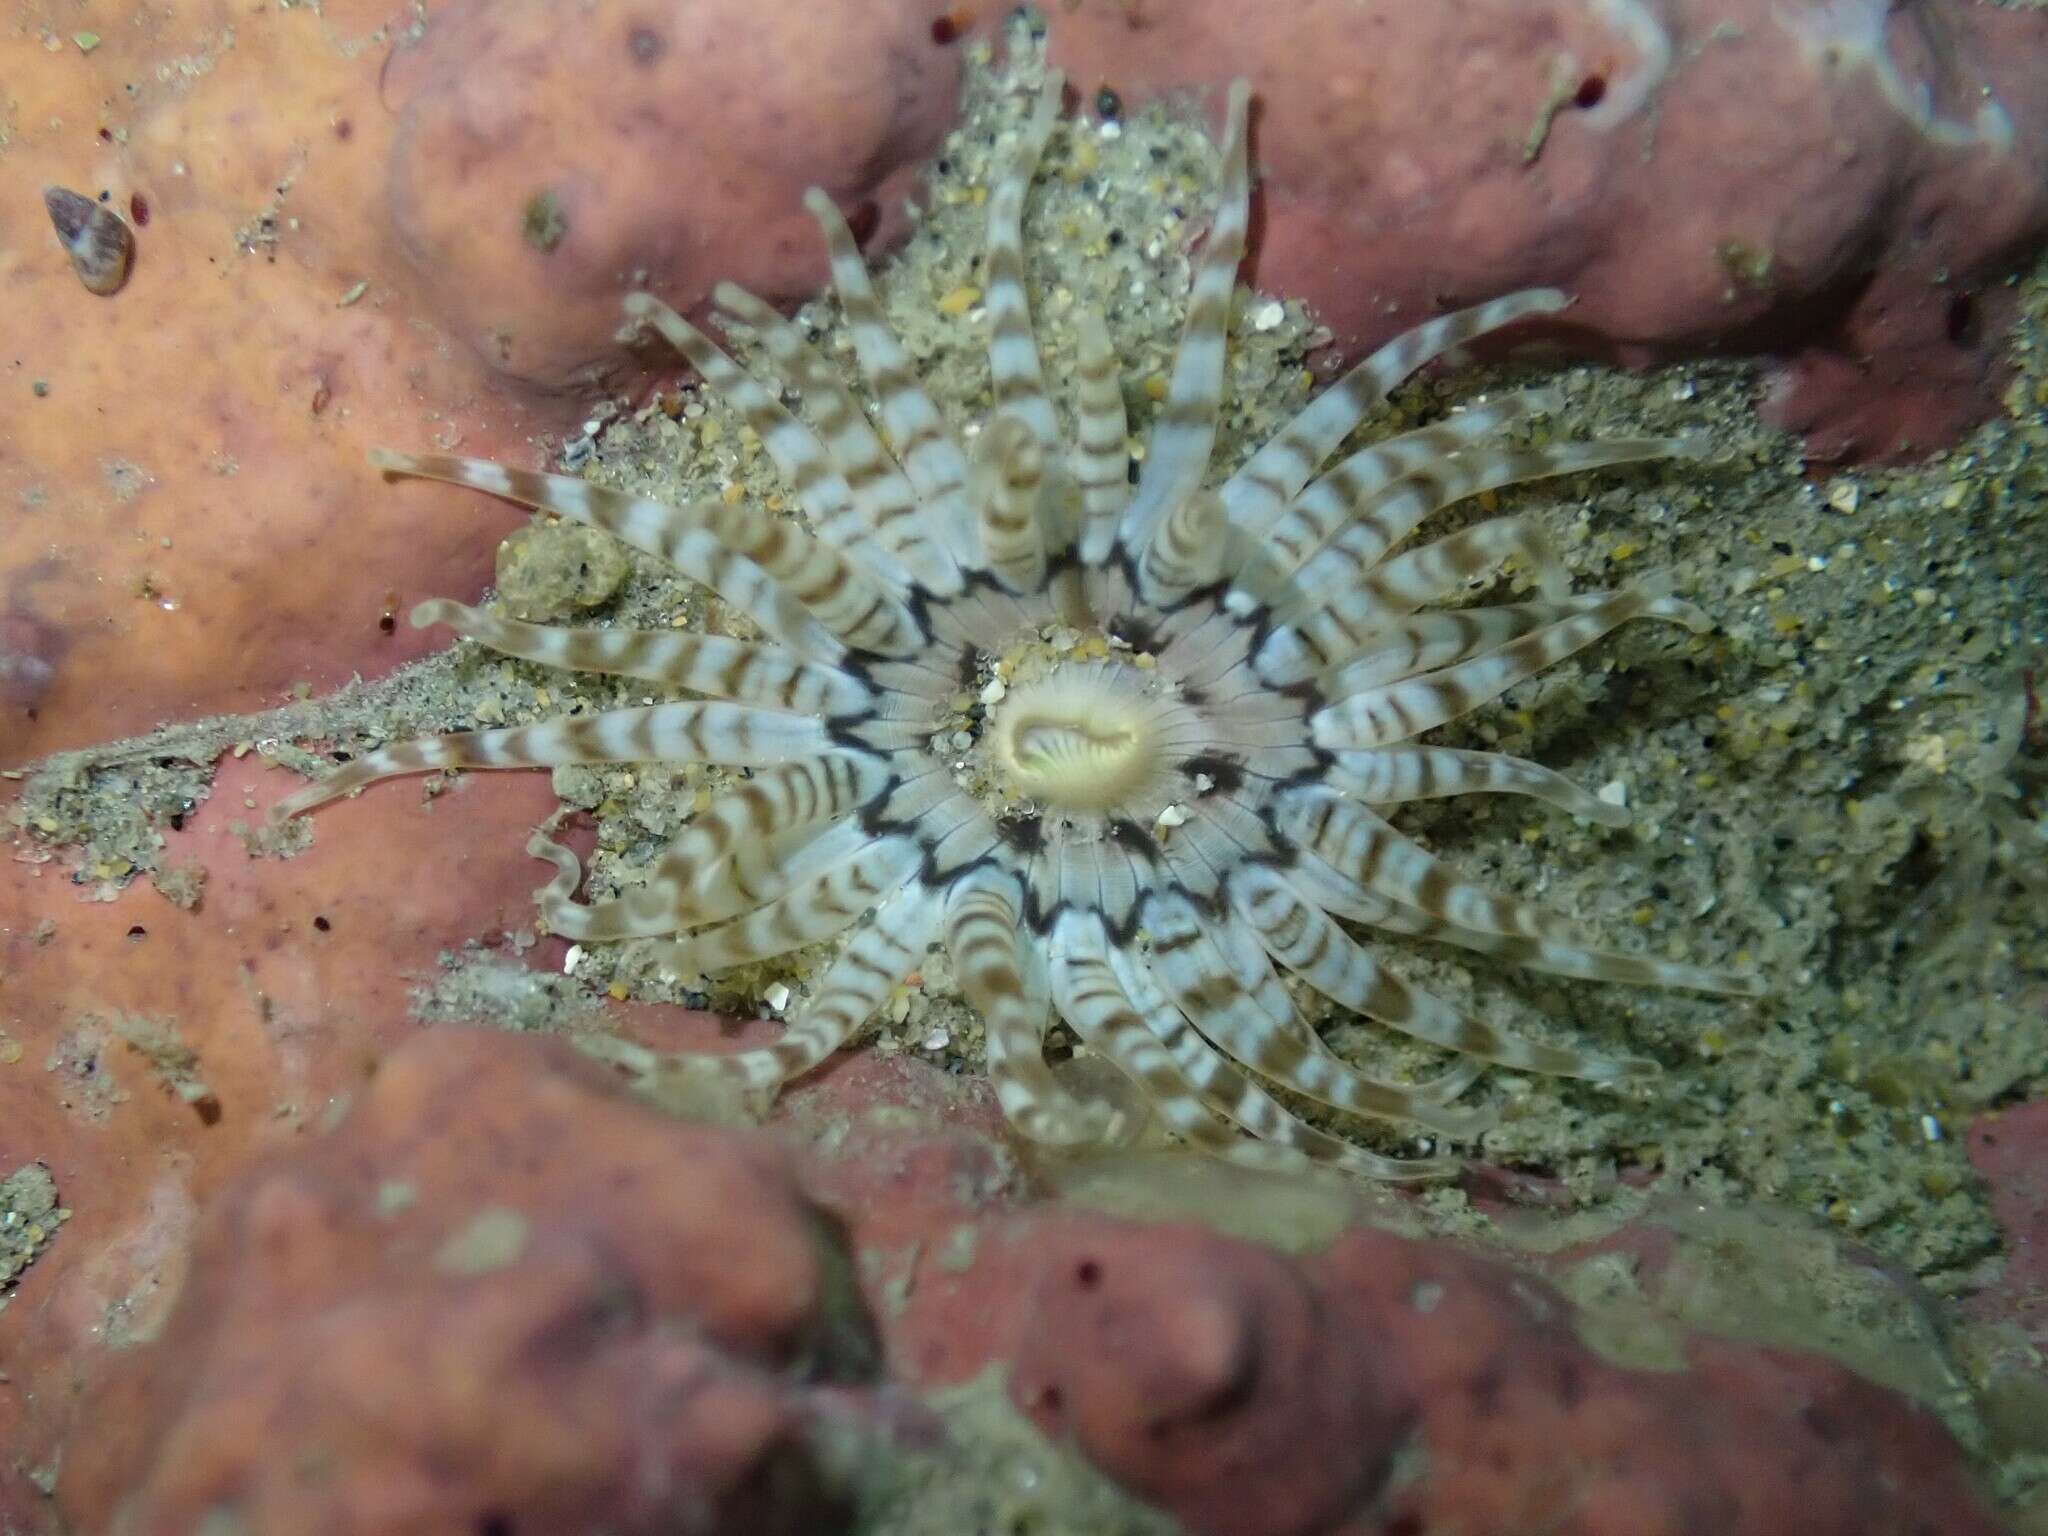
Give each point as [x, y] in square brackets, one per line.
[1841, 183]
[190, 526]
[503, 1290]
[2010, 1149]
[1208, 1377]
[550, 158]
[436, 1321]
[288, 983]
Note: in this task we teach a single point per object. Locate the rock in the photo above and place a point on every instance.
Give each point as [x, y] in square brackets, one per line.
[191, 527]
[2010, 1149]
[288, 983]
[503, 1289]
[1840, 184]
[1208, 1377]
[550, 159]
[442, 1318]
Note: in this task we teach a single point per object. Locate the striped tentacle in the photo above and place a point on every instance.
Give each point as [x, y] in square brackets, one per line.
[1219, 842]
[678, 536]
[1401, 710]
[1338, 893]
[1185, 430]
[1272, 1039]
[1345, 589]
[884, 504]
[1397, 775]
[771, 803]
[1090, 998]
[640, 915]
[779, 800]
[1017, 380]
[926, 449]
[1302, 937]
[1431, 572]
[1159, 1046]
[827, 903]
[1422, 642]
[756, 870]
[1254, 969]
[1405, 503]
[821, 489]
[857, 598]
[1006, 984]
[763, 869]
[685, 733]
[1188, 549]
[1368, 616]
[713, 665]
[844, 598]
[1101, 457]
[1361, 847]
[1009, 484]
[1334, 500]
[1337, 623]
[1366, 847]
[882, 952]
[1260, 491]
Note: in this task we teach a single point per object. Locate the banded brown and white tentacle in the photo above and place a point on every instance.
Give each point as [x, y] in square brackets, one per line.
[1010, 484]
[770, 805]
[924, 444]
[828, 903]
[702, 733]
[1405, 889]
[1184, 432]
[715, 665]
[881, 953]
[884, 503]
[1189, 962]
[1399, 775]
[1015, 374]
[1422, 642]
[1402, 710]
[1301, 936]
[1005, 980]
[1169, 1054]
[1275, 474]
[675, 535]
[1188, 549]
[1343, 896]
[1101, 456]
[822, 490]
[1333, 501]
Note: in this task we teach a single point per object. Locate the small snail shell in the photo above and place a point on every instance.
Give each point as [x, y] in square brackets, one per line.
[99, 242]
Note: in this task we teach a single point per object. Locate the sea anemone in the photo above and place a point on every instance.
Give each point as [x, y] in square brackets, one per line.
[1203, 699]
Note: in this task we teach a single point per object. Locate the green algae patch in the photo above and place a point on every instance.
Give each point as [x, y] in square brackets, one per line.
[493, 1239]
[549, 570]
[992, 1471]
[29, 1219]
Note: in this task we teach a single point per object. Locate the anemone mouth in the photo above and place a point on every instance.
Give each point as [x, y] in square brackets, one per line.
[1085, 742]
